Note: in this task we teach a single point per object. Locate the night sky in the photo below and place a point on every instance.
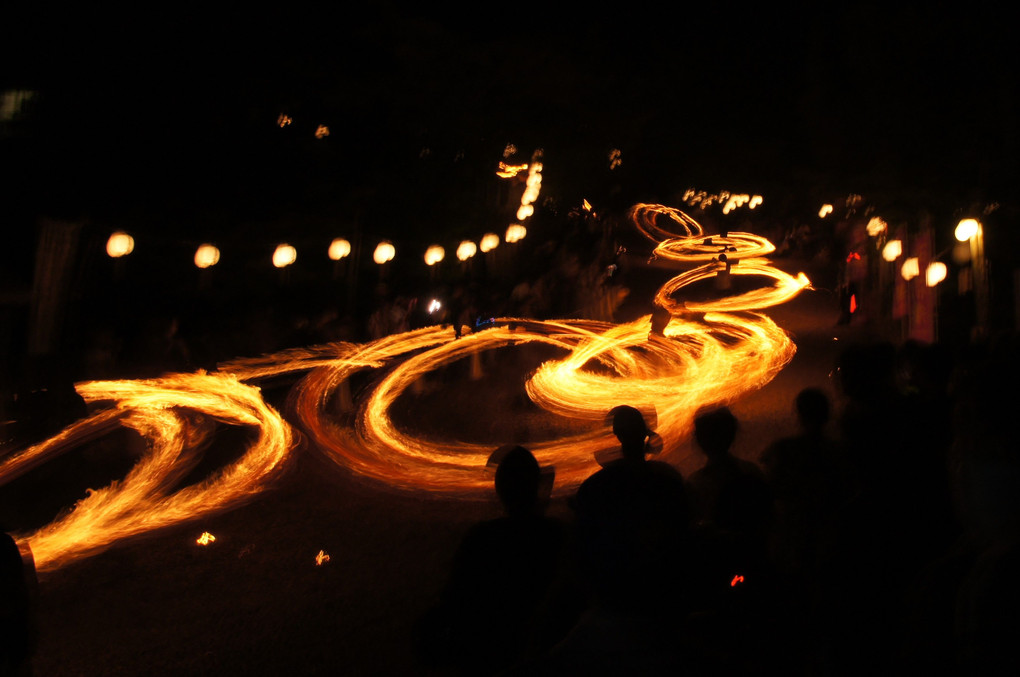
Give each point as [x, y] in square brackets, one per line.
[174, 113]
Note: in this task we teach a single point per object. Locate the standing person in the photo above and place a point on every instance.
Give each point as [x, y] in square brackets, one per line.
[16, 623]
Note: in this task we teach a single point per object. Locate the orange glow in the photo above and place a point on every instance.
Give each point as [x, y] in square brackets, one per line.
[206, 256]
[284, 256]
[466, 250]
[876, 226]
[321, 558]
[510, 170]
[515, 232]
[339, 248]
[738, 579]
[283, 120]
[120, 244]
[710, 352]
[615, 158]
[321, 132]
[892, 250]
[853, 303]
[205, 539]
[935, 273]
[384, 252]
[434, 255]
[966, 229]
[824, 211]
[489, 242]
[911, 268]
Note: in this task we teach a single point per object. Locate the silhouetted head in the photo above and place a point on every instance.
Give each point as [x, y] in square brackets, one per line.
[715, 430]
[630, 428]
[812, 409]
[517, 480]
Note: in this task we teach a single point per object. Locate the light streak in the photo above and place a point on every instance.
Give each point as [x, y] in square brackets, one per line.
[709, 352]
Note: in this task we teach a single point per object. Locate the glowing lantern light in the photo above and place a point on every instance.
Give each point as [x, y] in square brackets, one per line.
[525, 211]
[967, 229]
[434, 255]
[120, 244]
[911, 268]
[489, 242]
[207, 255]
[755, 201]
[892, 250]
[384, 252]
[321, 558]
[339, 248]
[466, 250]
[515, 232]
[205, 539]
[935, 273]
[876, 226]
[824, 211]
[284, 256]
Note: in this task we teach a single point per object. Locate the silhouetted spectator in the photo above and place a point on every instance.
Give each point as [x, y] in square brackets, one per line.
[632, 525]
[499, 596]
[17, 636]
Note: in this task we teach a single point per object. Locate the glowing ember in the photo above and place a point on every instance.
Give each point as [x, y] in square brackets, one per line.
[737, 580]
[824, 211]
[283, 120]
[321, 132]
[205, 539]
[321, 558]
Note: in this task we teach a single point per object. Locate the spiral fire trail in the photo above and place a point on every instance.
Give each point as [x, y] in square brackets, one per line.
[709, 352]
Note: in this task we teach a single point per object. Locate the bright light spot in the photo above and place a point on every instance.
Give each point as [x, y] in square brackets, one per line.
[466, 250]
[738, 579]
[120, 244]
[339, 248]
[321, 132]
[434, 305]
[892, 250]
[876, 226]
[755, 201]
[284, 256]
[207, 255]
[935, 273]
[321, 558]
[283, 120]
[489, 242]
[853, 303]
[515, 232]
[509, 171]
[524, 212]
[911, 268]
[205, 539]
[585, 205]
[967, 229]
[384, 251]
[434, 255]
[824, 211]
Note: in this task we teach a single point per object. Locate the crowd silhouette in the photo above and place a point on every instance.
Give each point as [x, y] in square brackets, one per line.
[881, 538]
